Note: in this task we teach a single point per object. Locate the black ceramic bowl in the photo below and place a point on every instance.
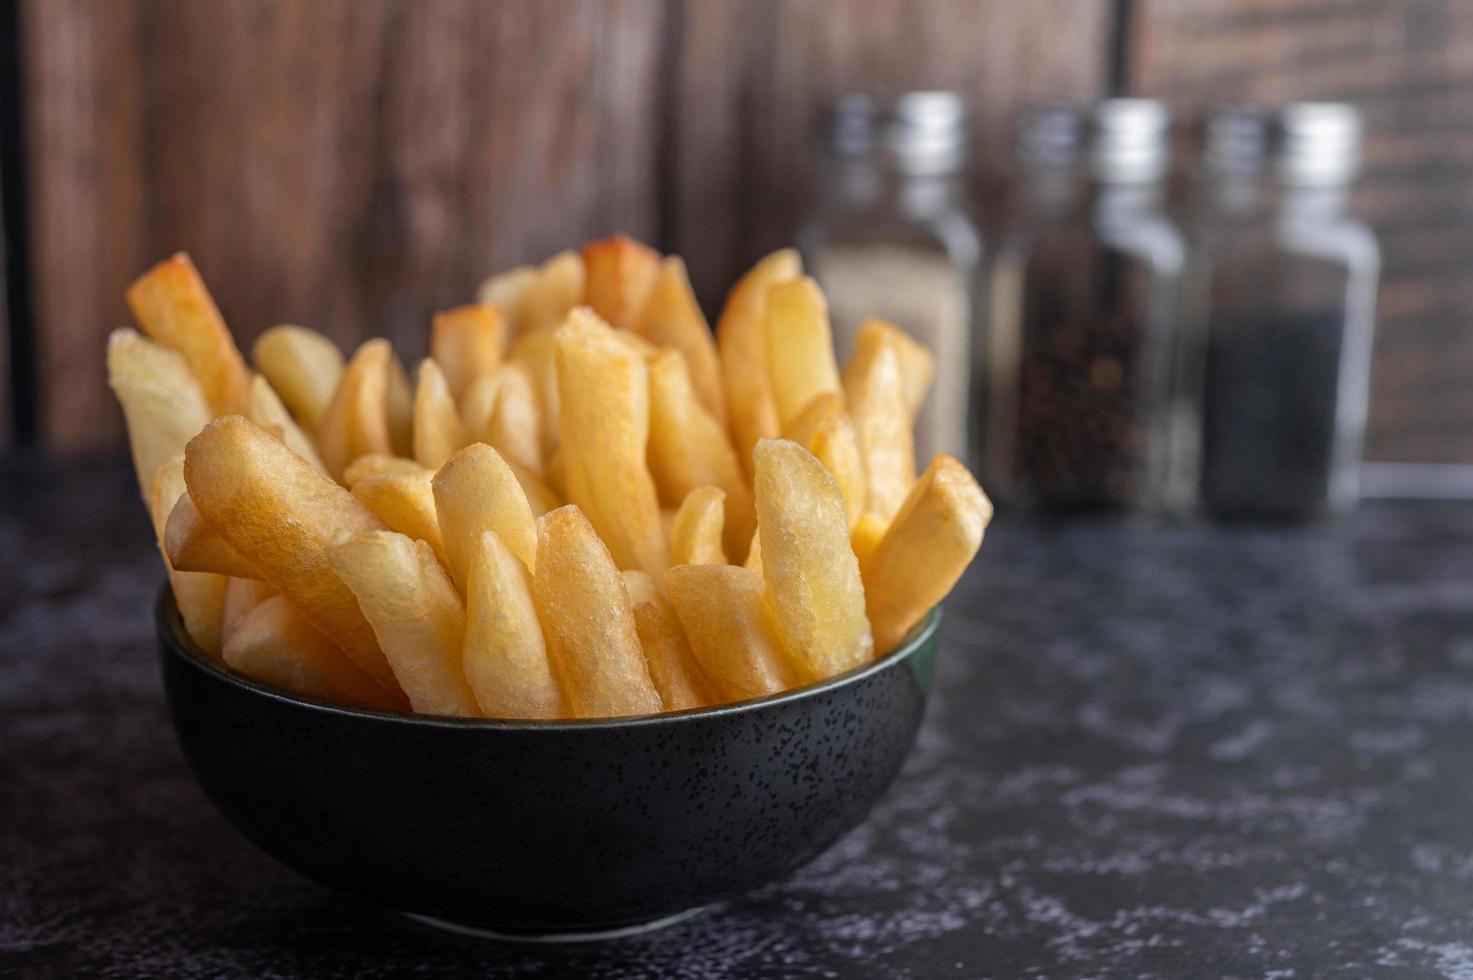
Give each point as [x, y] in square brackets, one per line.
[561, 829]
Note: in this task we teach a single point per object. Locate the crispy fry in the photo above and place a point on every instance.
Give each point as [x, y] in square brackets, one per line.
[603, 390]
[672, 318]
[742, 341]
[241, 596]
[357, 418]
[199, 596]
[538, 352]
[399, 404]
[688, 449]
[814, 593]
[467, 342]
[173, 306]
[194, 546]
[754, 552]
[275, 643]
[163, 404]
[540, 497]
[695, 538]
[720, 609]
[280, 515]
[507, 291]
[269, 413]
[825, 429]
[865, 535]
[416, 614]
[476, 491]
[932, 539]
[378, 464]
[584, 608]
[619, 276]
[875, 390]
[406, 503]
[437, 431]
[501, 410]
[917, 366]
[672, 666]
[506, 661]
[800, 346]
[303, 366]
[560, 287]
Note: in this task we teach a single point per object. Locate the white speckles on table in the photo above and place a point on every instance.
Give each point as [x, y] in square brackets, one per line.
[1151, 753]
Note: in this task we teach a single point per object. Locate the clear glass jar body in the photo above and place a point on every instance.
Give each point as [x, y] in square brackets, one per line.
[1077, 361]
[1280, 316]
[902, 248]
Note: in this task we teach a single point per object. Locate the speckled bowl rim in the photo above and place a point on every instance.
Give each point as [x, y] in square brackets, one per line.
[177, 642]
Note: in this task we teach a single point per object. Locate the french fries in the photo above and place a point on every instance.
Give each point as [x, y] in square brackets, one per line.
[505, 655]
[814, 594]
[303, 366]
[928, 545]
[173, 306]
[584, 507]
[603, 393]
[416, 614]
[281, 515]
[586, 616]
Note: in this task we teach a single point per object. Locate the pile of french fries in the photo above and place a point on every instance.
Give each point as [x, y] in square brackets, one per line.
[582, 505]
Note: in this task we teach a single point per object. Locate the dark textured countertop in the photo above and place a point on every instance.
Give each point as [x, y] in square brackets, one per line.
[1182, 752]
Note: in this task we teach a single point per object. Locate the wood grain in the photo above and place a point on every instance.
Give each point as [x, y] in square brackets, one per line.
[348, 165]
[751, 77]
[1409, 65]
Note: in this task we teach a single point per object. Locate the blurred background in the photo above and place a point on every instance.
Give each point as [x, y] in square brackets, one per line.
[353, 165]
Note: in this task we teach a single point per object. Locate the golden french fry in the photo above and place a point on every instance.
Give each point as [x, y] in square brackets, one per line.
[603, 392]
[537, 351]
[507, 291]
[194, 546]
[689, 449]
[540, 497]
[560, 286]
[506, 661]
[269, 413]
[825, 429]
[672, 318]
[754, 552]
[501, 410]
[416, 614]
[273, 642]
[619, 275]
[241, 596]
[200, 596]
[917, 366]
[800, 346]
[742, 340]
[379, 464]
[864, 537]
[399, 403]
[695, 537]
[303, 366]
[641, 587]
[672, 666]
[556, 473]
[875, 391]
[467, 342]
[586, 617]
[406, 503]
[437, 431]
[163, 404]
[173, 306]
[814, 593]
[928, 545]
[357, 418]
[281, 515]
[474, 492]
[720, 608]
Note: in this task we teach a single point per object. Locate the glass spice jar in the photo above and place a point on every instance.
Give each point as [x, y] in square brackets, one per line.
[1076, 367]
[1275, 368]
[892, 237]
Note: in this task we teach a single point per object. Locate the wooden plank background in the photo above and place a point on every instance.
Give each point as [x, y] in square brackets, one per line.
[1409, 65]
[356, 164]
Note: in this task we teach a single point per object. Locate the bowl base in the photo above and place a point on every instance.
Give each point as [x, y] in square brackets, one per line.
[576, 936]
